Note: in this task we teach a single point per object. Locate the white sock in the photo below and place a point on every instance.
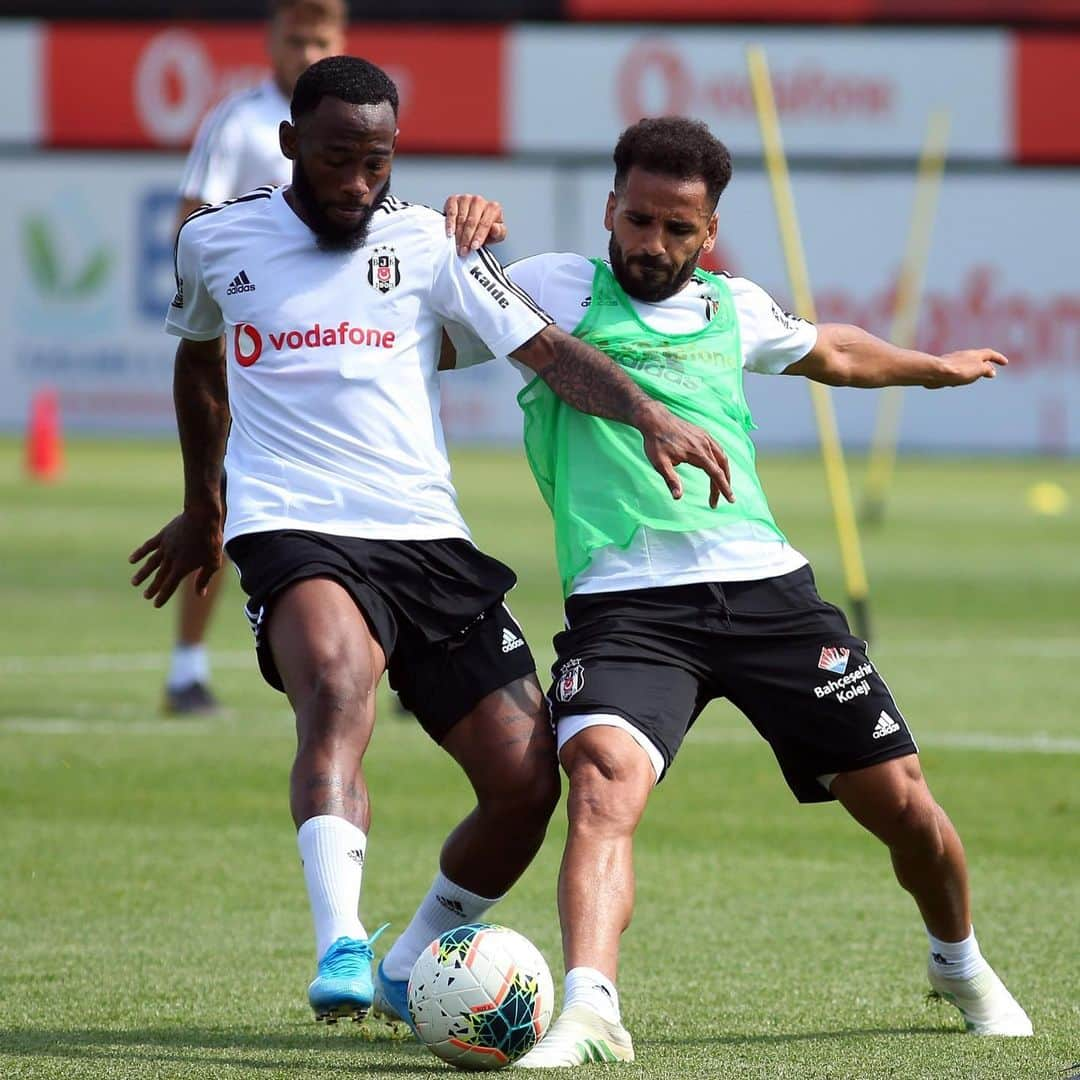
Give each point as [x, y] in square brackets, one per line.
[587, 986]
[956, 959]
[189, 664]
[446, 905]
[332, 851]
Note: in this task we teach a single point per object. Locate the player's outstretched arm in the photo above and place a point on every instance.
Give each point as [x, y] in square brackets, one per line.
[474, 221]
[593, 383]
[192, 540]
[849, 356]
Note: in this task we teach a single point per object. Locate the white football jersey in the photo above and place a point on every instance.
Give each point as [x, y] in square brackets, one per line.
[236, 148]
[332, 362]
[771, 341]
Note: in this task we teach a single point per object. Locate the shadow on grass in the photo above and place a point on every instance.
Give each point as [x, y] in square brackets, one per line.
[795, 1037]
[284, 1052]
[275, 1052]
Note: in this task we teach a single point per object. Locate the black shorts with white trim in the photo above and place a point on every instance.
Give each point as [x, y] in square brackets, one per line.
[775, 649]
[435, 606]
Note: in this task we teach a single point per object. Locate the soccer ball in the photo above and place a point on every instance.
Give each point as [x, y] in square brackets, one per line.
[481, 996]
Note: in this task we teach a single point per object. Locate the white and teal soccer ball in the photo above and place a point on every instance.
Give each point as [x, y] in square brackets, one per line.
[481, 996]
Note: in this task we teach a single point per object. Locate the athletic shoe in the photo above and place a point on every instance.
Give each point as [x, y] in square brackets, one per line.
[392, 999]
[987, 1007]
[578, 1037]
[343, 985]
[192, 699]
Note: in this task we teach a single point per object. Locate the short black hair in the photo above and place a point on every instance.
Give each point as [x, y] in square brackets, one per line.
[674, 146]
[359, 82]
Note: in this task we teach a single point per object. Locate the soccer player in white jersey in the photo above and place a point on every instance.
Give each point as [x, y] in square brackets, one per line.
[341, 515]
[671, 606]
[236, 149]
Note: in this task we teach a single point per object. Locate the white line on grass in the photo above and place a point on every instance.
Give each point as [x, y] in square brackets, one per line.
[1050, 648]
[1037, 743]
[89, 663]
[70, 725]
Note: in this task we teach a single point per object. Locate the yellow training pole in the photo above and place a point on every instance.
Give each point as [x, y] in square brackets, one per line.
[909, 289]
[833, 456]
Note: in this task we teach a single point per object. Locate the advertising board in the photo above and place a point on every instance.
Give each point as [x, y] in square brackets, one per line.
[839, 93]
[152, 82]
[86, 275]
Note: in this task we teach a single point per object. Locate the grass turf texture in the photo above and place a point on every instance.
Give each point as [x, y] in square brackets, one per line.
[154, 919]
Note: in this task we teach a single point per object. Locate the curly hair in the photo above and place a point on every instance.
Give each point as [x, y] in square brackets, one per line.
[359, 82]
[674, 146]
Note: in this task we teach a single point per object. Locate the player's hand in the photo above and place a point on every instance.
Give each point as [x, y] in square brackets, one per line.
[670, 441]
[190, 542]
[473, 221]
[967, 366]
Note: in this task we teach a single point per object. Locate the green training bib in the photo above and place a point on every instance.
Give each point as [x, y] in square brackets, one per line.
[593, 473]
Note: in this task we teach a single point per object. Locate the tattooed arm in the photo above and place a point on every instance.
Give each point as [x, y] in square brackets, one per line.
[593, 383]
[192, 540]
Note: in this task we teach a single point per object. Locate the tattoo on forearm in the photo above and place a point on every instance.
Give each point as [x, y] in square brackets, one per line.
[591, 381]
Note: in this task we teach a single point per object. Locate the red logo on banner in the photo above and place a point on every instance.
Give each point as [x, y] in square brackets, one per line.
[152, 84]
[661, 78]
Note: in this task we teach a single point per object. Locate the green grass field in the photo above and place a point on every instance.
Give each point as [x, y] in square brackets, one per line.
[153, 921]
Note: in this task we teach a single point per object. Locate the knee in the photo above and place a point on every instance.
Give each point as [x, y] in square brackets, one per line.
[608, 787]
[528, 793]
[332, 694]
[913, 821]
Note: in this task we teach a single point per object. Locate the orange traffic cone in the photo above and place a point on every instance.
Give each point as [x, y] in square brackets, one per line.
[44, 442]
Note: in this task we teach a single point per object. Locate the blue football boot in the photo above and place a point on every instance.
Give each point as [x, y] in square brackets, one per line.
[392, 1000]
[343, 986]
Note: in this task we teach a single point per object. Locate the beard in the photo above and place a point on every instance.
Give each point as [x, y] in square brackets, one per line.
[661, 279]
[329, 234]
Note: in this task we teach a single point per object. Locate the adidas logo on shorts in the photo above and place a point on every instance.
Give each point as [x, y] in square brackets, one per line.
[511, 641]
[886, 725]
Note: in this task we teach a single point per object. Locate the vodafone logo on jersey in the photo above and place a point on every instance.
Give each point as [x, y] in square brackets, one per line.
[249, 341]
[247, 344]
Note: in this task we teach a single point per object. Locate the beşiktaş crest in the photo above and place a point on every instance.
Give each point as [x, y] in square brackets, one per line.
[571, 680]
[384, 271]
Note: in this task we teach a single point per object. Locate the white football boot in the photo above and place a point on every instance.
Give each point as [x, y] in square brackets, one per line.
[580, 1036]
[986, 1005]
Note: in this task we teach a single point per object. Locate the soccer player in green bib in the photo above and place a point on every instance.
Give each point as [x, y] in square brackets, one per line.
[671, 604]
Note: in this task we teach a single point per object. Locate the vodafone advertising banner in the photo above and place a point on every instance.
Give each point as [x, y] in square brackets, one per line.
[843, 93]
[1013, 96]
[136, 85]
[86, 276]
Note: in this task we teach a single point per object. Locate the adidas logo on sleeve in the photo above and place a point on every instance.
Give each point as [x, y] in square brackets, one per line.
[510, 640]
[239, 284]
[886, 725]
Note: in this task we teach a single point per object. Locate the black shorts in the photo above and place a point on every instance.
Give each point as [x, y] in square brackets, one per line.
[435, 606]
[774, 648]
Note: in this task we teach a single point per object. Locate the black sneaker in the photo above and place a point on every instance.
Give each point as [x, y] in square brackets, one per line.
[193, 699]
